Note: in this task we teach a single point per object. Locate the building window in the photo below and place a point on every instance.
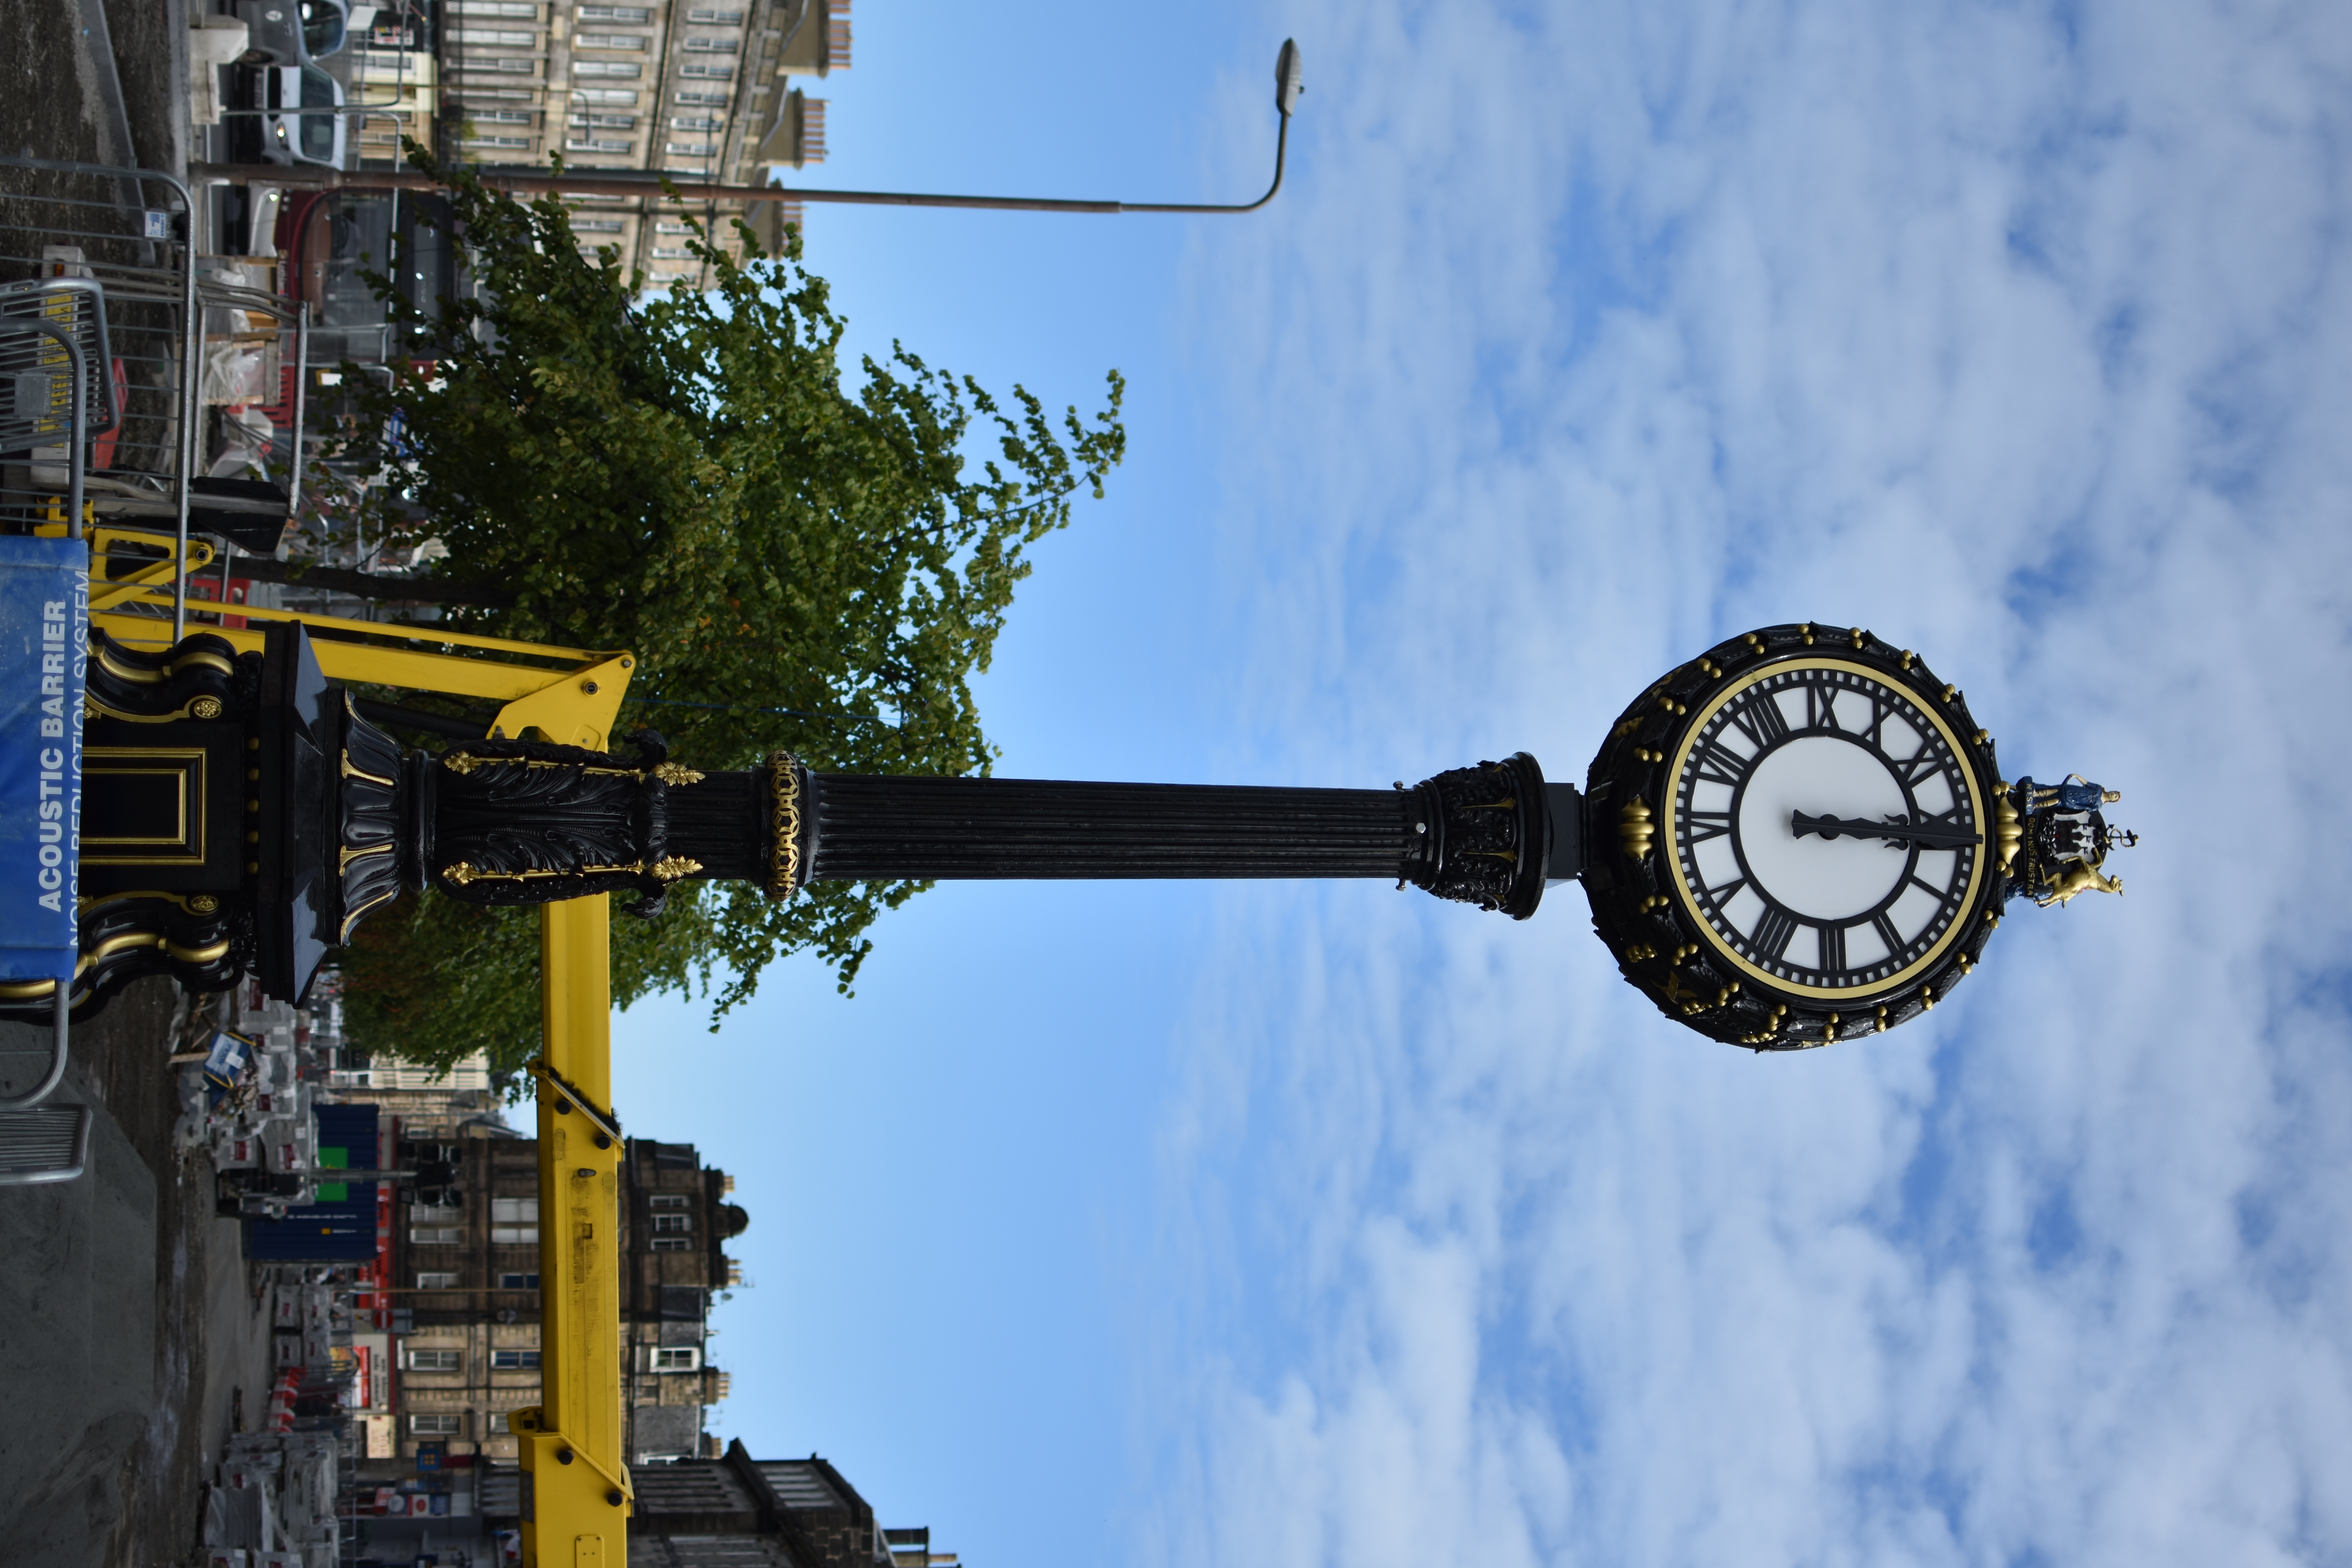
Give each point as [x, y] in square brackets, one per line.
[689, 95]
[711, 45]
[514, 1222]
[531, 1281]
[672, 1223]
[608, 69]
[637, 14]
[603, 121]
[503, 67]
[622, 95]
[684, 1357]
[436, 1425]
[436, 1281]
[690, 149]
[436, 1361]
[710, 18]
[694, 122]
[704, 71]
[436, 1235]
[579, 226]
[499, 116]
[670, 1243]
[495, 7]
[498, 141]
[636, 41]
[506, 37]
[595, 144]
[514, 1360]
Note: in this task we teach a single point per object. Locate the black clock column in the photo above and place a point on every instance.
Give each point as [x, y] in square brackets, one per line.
[1485, 834]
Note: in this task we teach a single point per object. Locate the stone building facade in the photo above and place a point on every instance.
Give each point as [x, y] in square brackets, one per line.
[736, 1511]
[697, 91]
[672, 1261]
[465, 1254]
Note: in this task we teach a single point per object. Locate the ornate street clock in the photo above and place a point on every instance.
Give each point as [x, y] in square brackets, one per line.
[1799, 837]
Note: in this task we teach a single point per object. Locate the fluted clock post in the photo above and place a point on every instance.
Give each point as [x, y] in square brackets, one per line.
[1797, 836]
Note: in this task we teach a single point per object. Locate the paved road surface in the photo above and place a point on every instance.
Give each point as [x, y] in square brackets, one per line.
[127, 1323]
[54, 96]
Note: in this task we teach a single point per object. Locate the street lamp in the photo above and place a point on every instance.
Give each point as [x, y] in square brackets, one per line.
[1288, 86]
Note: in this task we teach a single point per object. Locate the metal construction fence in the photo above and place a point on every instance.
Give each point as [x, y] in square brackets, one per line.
[197, 364]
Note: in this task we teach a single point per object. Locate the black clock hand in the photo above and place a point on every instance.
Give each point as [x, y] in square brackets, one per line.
[1895, 830]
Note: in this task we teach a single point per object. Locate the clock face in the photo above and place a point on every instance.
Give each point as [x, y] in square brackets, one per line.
[1824, 828]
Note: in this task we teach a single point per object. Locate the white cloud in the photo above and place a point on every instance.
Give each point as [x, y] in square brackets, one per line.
[1592, 335]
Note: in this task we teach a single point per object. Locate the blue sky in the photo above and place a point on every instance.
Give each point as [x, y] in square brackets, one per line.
[1190, 1224]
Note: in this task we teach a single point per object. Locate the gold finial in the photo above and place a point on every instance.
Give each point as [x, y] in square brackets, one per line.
[1635, 831]
[2008, 833]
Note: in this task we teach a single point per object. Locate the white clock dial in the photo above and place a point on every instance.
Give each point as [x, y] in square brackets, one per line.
[1826, 828]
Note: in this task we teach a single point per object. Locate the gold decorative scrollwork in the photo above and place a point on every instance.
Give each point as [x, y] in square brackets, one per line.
[351, 855]
[195, 708]
[351, 772]
[352, 921]
[465, 763]
[149, 677]
[465, 873]
[784, 862]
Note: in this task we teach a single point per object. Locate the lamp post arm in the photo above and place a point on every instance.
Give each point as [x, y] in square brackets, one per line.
[599, 184]
[1281, 146]
[520, 181]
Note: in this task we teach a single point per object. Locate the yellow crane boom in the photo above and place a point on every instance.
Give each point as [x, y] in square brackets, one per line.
[576, 1474]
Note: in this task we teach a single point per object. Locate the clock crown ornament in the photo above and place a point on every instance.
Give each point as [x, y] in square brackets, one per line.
[2069, 840]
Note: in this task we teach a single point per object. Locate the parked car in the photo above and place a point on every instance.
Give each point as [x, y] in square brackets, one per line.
[294, 32]
[305, 138]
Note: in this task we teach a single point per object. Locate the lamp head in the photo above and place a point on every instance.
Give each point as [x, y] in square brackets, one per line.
[1287, 85]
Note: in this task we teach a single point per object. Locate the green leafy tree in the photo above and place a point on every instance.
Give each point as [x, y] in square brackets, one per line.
[800, 560]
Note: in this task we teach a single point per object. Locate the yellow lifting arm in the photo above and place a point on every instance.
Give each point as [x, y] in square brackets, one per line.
[575, 1468]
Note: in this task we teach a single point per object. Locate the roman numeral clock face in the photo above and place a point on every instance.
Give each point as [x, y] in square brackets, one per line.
[1823, 829]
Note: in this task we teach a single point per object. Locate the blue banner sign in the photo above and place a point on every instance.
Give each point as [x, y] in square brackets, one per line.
[43, 651]
[334, 1229]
